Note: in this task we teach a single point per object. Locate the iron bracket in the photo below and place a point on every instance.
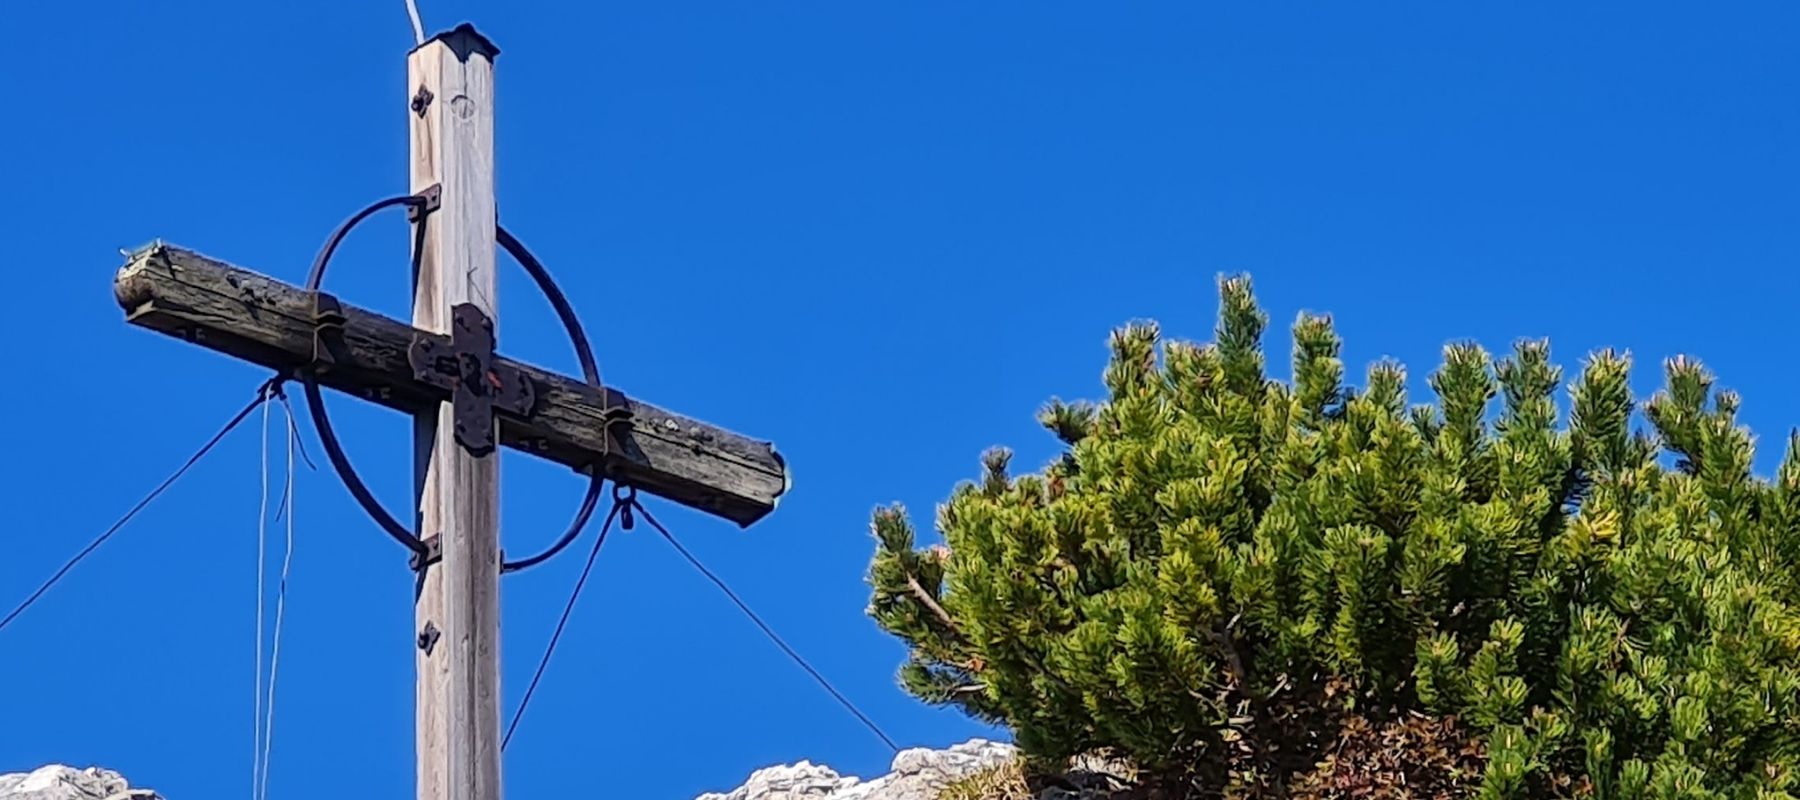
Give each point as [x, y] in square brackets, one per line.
[434, 552]
[428, 638]
[478, 384]
[421, 100]
[617, 413]
[431, 198]
[328, 327]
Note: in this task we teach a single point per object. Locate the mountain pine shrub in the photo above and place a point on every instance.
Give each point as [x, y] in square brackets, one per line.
[1221, 564]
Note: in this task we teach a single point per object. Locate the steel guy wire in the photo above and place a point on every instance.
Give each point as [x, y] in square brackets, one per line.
[767, 631]
[262, 396]
[556, 636]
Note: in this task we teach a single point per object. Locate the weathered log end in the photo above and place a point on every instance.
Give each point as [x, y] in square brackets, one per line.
[130, 289]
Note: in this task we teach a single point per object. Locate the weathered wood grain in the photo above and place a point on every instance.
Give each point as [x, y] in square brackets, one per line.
[254, 317]
[458, 688]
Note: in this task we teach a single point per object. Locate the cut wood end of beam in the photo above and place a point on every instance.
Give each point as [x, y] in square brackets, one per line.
[787, 479]
[132, 294]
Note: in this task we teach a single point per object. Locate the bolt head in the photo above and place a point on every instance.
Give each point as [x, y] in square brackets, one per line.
[421, 100]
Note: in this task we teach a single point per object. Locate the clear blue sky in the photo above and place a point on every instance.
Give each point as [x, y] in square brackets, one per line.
[878, 234]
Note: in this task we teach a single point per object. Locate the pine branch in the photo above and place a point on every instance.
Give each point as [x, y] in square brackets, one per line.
[918, 590]
[1234, 662]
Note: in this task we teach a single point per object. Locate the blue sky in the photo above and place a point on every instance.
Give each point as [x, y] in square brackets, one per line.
[878, 234]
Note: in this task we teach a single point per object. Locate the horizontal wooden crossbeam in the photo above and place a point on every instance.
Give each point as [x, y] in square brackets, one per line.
[268, 322]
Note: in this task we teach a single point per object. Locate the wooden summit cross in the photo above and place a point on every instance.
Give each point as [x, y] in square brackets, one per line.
[265, 321]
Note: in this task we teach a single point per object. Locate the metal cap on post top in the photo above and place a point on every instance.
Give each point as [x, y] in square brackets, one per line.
[464, 41]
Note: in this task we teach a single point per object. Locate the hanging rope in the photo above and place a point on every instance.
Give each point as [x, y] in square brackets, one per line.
[262, 537]
[262, 396]
[286, 513]
[263, 712]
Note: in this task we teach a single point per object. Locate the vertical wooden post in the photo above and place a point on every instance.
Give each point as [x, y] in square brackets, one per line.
[451, 110]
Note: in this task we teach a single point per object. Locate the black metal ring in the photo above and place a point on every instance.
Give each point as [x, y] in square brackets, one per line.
[328, 437]
[334, 451]
[589, 370]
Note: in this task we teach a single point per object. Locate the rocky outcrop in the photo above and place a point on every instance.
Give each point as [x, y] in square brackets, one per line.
[57, 782]
[917, 774]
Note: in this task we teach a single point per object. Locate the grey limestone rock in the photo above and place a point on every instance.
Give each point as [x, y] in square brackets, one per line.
[58, 782]
[917, 774]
